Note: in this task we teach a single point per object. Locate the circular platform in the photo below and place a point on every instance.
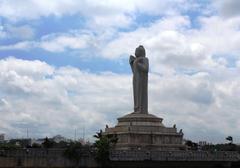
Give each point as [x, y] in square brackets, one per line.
[140, 119]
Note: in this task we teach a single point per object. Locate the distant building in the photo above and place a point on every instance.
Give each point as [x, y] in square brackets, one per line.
[2, 137]
[202, 143]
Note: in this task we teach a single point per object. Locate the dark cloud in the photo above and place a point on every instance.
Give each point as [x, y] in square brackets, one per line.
[229, 8]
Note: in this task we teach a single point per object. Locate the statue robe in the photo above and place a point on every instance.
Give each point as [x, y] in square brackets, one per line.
[140, 68]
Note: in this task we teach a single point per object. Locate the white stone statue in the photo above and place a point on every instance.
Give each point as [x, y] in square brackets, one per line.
[140, 68]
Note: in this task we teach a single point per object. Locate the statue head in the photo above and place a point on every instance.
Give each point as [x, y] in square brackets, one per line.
[140, 51]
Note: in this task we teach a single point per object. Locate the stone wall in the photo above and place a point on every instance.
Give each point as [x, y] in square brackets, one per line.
[51, 158]
[143, 155]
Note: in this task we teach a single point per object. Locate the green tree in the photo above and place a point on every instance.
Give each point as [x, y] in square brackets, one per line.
[9, 146]
[47, 143]
[73, 151]
[191, 145]
[230, 139]
[103, 145]
[35, 145]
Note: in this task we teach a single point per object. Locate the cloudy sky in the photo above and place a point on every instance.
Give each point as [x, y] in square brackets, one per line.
[64, 65]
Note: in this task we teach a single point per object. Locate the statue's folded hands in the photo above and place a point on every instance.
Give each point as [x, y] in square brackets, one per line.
[143, 64]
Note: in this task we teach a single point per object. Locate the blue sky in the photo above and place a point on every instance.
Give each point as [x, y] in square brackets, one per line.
[52, 24]
[69, 59]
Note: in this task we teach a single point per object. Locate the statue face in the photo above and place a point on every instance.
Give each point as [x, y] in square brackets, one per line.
[140, 51]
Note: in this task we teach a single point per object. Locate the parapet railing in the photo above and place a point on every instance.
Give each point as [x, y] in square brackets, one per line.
[143, 155]
[132, 155]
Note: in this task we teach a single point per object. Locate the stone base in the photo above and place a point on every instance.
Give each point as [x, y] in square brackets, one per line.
[145, 131]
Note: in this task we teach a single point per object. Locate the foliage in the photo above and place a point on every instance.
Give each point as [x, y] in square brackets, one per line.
[221, 147]
[72, 152]
[103, 145]
[35, 145]
[23, 143]
[61, 144]
[9, 146]
[48, 143]
[230, 139]
[191, 145]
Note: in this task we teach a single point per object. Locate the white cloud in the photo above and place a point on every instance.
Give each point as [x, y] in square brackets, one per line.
[58, 43]
[198, 105]
[26, 68]
[218, 35]
[126, 41]
[53, 100]
[168, 45]
[116, 13]
[55, 42]
[97, 13]
[172, 44]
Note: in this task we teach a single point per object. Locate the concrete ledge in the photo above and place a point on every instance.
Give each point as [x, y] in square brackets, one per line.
[138, 117]
[142, 155]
